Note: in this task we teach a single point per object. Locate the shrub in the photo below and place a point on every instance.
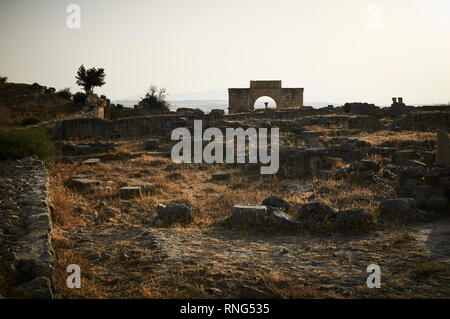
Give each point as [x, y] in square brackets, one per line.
[64, 93]
[155, 100]
[30, 120]
[19, 143]
[79, 97]
[3, 79]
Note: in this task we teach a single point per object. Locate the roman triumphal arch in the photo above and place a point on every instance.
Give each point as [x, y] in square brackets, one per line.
[243, 100]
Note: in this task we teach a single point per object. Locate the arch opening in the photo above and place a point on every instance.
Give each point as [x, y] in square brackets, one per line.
[260, 103]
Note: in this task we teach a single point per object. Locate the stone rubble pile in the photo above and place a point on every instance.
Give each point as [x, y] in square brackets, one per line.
[278, 214]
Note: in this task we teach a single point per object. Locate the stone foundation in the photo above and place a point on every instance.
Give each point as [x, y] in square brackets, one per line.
[27, 257]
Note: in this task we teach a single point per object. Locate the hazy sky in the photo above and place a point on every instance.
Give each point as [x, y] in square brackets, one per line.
[346, 50]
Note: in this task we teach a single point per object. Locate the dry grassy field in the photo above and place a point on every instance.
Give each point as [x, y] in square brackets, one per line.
[122, 253]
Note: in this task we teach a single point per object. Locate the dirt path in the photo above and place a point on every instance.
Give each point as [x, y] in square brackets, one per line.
[135, 261]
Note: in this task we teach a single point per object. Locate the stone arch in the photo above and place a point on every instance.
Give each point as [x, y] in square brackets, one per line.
[243, 100]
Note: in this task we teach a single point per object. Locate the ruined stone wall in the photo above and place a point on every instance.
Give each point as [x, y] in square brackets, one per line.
[129, 127]
[291, 98]
[238, 100]
[423, 121]
[299, 118]
[27, 257]
[284, 114]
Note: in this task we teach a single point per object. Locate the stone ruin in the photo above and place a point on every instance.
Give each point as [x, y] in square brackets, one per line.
[360, 108]
[397, 101]
[421, 175]
[243, 100]
[95, 106]
[443, 148]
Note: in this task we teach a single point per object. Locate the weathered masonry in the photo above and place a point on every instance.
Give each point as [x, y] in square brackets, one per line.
[243, 100]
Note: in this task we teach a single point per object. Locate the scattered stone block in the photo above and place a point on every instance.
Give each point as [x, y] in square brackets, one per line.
[91, 161]
[282, 220]
[148, 188]
[366, 165]
[129, 192]
[354, 220]
[401, 209]
[316, 212]
[244, 215]
[83, 184]
[275, 201]
[176, 213]
[80, 176]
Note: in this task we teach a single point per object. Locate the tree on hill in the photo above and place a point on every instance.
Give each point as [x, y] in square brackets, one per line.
[88, 79]
[155, 100]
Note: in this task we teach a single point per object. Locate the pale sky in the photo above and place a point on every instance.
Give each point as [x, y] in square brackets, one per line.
[346, 50]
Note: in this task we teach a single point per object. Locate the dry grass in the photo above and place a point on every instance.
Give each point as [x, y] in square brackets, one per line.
[175, 286]
[384, 137]
[427, 269]
[215, 199]
[402, 237]
[67, 254]
[282, 286]
[67, 203]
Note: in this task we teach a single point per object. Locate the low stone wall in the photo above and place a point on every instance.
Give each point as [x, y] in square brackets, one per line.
[279, 114]
[291, 119]
[128, 127]
[112, 129]
[429, 120]
[27, 257]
